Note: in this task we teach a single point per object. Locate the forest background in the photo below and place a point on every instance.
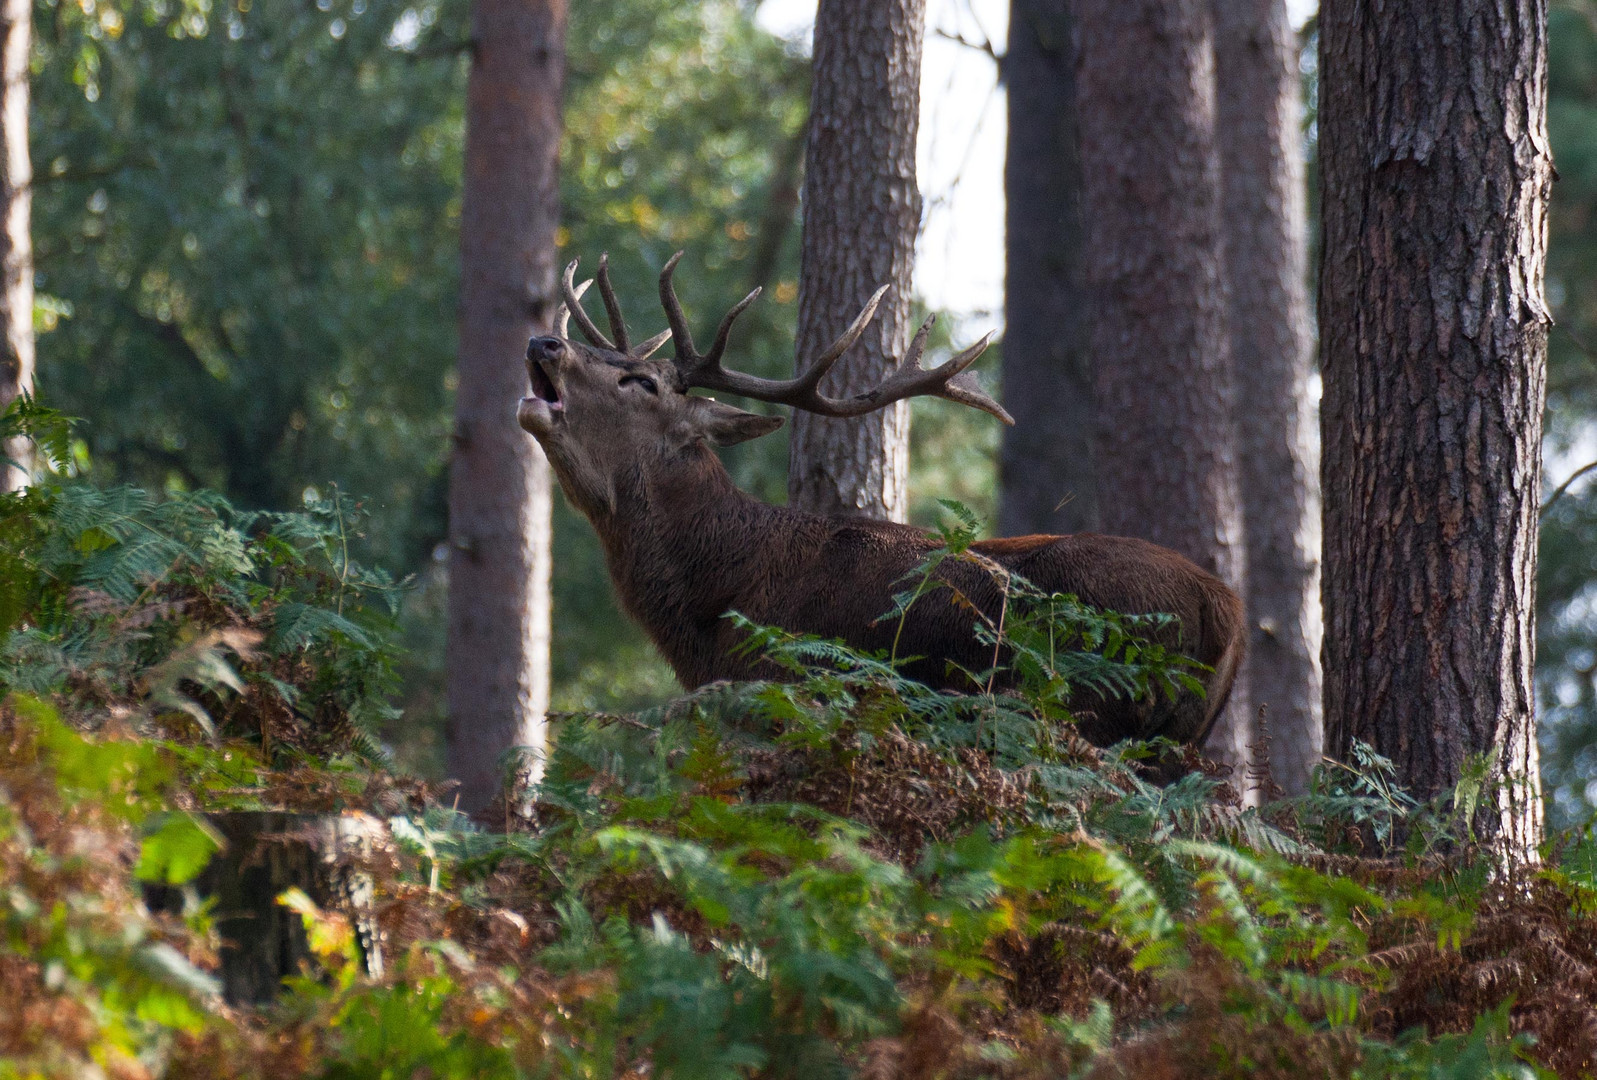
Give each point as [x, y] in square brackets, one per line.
[246, 259]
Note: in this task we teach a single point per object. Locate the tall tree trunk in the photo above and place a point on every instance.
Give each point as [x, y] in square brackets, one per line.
[1045, 467]
[1435, 170]
[16, 245]
[861, 215]
[499, 496]
[1266, 259]
[1166, 461]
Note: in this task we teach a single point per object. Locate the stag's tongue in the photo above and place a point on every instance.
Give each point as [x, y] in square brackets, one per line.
[543, 387]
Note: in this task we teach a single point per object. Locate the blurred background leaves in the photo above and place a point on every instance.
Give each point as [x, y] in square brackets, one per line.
[246, 231]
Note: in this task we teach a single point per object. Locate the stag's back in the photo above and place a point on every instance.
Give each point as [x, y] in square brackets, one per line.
[1135, 577]
[836, 578]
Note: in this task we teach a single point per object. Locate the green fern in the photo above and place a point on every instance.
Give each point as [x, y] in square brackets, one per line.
[112, 588]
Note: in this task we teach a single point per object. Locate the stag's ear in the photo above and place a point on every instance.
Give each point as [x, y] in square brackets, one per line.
[725, 425]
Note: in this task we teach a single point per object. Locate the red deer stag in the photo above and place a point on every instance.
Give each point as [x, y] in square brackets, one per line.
[632, 450]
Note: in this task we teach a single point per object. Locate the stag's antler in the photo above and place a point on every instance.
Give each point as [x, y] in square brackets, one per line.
[572, 300]
[947, 380]
[572, 308]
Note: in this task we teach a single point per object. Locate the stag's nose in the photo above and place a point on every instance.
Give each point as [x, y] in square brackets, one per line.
[545, 348]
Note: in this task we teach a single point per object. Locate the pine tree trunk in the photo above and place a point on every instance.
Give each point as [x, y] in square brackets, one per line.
[861, 215]
[1166, 460]
[16, 246]
[499, 498]
[1435, 169]
[1266, 259]
[1045, 468]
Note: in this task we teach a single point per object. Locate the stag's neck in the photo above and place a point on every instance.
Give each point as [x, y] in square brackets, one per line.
[690, 500]
[684, 545]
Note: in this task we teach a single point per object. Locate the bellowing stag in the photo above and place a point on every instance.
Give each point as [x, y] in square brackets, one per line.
[633, 451]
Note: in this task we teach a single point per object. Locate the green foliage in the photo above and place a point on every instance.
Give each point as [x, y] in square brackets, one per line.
[1488, 1052]
[251, 213]
[176, 848]
[1154, 869]
[184, 610]
[774, 879]
[113, 981]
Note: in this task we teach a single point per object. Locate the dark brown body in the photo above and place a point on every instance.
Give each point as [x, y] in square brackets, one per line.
[633, 451]
[685, 546]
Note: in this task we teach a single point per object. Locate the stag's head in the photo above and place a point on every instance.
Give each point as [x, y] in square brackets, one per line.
[605, 409]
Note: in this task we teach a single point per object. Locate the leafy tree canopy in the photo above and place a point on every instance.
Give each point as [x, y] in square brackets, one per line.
[246, 222]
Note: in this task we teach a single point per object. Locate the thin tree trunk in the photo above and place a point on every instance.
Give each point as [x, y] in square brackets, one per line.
[861, 215]
[499, 498]
[1166, 461]
[16, 245]
[1435, 170]
[1266, 257]
[1045, 468]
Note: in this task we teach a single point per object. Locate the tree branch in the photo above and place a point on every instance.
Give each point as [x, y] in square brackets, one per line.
[1558, 492]
[979, 46]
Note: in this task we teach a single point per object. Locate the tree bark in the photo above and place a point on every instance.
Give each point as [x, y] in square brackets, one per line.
[1045, 466]
[264, 854]
[1166, 458]
[499, 498]
[861, 216]
[16, 245]
[1435, 169]
[1265, 216]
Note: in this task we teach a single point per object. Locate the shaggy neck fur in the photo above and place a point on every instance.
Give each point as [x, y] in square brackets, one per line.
[684, 546]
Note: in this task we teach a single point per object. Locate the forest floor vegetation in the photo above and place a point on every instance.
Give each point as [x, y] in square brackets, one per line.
[842, 874]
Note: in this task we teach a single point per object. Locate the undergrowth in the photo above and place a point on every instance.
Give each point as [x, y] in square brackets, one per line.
[842, 873]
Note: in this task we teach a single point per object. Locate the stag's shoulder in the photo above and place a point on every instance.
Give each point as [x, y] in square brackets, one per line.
[873, 535]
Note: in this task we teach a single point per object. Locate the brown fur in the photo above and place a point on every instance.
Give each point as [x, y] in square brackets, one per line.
[684, 546]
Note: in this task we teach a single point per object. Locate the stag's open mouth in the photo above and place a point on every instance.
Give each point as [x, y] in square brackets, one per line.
[543, 387]
[539, 410]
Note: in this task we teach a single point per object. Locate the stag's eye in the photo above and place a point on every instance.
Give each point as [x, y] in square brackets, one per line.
[643, 381]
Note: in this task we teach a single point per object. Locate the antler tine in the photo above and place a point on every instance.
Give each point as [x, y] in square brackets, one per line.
[645, 349]
[686, 356]
[966, 391]
[706, 371]
[948, 380]
[917, 345]
[574, 306]
[690, 362]
[722, 332]
[845, 341]
[612, 306]
[562, 324]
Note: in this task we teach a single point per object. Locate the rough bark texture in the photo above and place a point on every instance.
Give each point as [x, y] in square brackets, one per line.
[16, 247]
[1166, 461]
[263, 855]
[861, 215]
[1045, 469]
[1266, 257]
[499, 481]
[1435, 168]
